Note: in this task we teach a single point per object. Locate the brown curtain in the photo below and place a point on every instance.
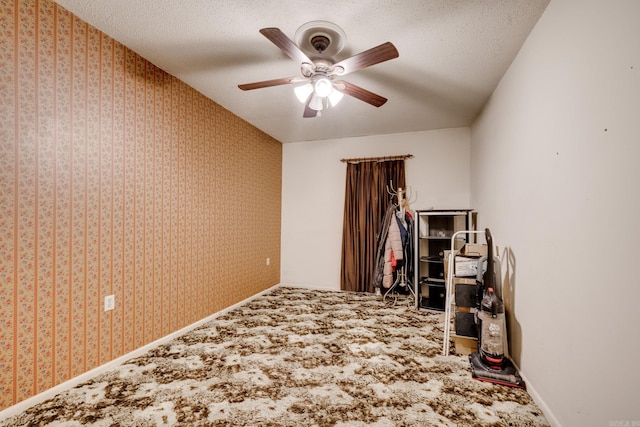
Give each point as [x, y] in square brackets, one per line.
[366, 200]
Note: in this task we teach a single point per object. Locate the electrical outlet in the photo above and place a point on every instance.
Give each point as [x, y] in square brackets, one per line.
[109, 302]
[268, 261]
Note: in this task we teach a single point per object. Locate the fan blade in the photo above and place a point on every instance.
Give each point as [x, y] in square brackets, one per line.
[281, 40]
[308, 111]
[269, 83]
[360, 93]
[375, 55]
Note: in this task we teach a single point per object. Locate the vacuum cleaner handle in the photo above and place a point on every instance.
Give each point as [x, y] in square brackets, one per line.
[489, 278]
[480, 270]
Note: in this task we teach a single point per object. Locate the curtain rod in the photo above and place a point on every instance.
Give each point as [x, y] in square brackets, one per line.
[377, 159]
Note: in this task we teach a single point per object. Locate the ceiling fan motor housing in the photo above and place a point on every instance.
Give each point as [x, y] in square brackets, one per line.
[320, 42]
[320, 37]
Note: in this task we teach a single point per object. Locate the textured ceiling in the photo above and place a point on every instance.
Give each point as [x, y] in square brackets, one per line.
[452, 55]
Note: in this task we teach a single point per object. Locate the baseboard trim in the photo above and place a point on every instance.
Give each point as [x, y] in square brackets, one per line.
[553, 421]
[312, 287]
[69, 384]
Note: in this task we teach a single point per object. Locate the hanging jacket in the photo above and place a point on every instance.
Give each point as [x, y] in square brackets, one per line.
[392, 251]
[382, 241]
[381, 266]
[409, 248]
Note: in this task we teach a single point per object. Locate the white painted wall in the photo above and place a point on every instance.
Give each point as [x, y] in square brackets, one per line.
[313, 185]
[555, 175]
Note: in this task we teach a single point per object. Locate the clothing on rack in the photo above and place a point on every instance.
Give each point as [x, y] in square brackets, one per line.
[395, 247]
[409, 246]
[393, 251]
[381, 247]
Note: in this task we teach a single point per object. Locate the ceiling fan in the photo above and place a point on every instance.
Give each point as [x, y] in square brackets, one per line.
[319, 85]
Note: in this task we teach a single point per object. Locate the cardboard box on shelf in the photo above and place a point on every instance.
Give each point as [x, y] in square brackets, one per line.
[466, 266]
[466, 259]
[474, 250]
[464, 345]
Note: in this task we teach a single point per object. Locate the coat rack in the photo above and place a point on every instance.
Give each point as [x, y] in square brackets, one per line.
[401, 275]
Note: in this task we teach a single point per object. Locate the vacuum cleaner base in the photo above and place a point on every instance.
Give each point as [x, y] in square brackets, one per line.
[508, 375]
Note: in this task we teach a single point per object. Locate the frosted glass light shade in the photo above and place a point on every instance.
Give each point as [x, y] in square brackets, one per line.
[316, 103]
[335, 97]
[323, 87]
[303, 92]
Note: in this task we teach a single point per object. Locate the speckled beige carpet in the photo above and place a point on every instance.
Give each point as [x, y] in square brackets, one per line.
[295, 357]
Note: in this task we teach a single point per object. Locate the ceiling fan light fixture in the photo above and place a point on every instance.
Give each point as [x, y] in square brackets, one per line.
[335, 97]
[303, 92]
[322, 87]
[316, 103]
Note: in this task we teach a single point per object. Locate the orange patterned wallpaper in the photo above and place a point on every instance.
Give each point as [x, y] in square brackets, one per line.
[116, 178]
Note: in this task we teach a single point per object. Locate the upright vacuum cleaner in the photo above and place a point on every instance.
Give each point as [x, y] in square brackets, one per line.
[489, 363]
